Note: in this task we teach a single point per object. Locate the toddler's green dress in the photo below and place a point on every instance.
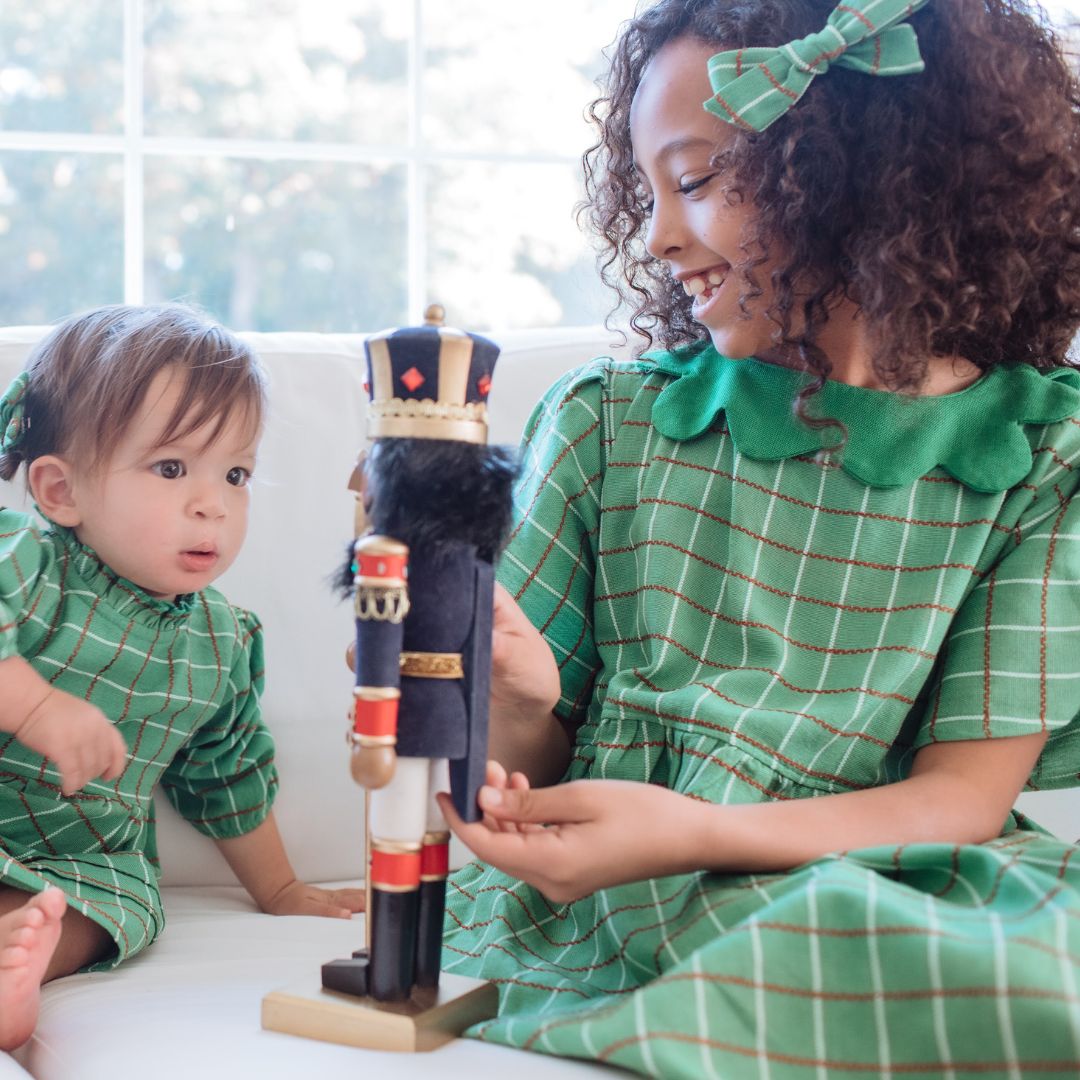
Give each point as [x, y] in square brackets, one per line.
[737, 618]
[180, 680]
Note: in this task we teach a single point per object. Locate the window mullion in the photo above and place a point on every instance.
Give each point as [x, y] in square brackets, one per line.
[134, 217]
[417, 178]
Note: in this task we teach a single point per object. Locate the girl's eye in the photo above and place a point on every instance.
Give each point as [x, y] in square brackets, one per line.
[691, 186]
[238, 476]
[169, 470]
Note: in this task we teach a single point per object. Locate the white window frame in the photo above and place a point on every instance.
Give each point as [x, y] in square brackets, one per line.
[135, 147]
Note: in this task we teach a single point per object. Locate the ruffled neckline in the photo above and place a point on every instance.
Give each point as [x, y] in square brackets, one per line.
[976, 434]
[123, 596]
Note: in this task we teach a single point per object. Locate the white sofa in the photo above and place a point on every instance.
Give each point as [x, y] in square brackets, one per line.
[189, 1006]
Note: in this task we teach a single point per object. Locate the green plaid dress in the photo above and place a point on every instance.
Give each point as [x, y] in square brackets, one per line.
[741, 619]
[181, 681]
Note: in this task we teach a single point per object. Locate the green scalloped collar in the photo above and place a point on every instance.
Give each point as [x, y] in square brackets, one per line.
[976, 435]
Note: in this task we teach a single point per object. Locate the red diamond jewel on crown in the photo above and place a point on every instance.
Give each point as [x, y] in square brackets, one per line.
[413, 380]
[483, 384]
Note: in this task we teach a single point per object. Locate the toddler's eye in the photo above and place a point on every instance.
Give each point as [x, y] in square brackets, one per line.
[170, 469]
[238, 476]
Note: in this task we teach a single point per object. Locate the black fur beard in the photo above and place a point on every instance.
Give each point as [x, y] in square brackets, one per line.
[432, 494]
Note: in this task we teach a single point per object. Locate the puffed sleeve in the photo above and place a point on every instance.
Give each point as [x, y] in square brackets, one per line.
[548, 564]
[224, 780]
[22, 561]
[1011, 664]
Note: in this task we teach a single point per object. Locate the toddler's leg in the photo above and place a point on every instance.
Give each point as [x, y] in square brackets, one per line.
[33, 950]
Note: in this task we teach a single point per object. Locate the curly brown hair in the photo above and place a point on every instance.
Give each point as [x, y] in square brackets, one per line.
[945, 204]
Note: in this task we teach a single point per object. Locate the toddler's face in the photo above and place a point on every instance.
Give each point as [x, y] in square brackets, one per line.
[170, 518]
[693, 225]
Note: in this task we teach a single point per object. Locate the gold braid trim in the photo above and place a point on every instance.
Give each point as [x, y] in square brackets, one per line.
[382, 603]
[432, 665]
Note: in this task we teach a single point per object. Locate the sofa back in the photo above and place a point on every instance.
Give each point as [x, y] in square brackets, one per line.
[301, 519]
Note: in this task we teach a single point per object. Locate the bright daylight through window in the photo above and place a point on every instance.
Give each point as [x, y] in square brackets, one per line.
[296, 165]
[304, 166]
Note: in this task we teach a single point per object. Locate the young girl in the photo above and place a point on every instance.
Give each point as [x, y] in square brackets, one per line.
[806, 576]
[119, 665]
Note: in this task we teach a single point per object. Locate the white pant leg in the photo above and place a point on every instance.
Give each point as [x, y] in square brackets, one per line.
[406, 809]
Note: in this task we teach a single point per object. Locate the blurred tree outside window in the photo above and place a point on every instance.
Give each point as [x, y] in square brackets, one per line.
[298, 165]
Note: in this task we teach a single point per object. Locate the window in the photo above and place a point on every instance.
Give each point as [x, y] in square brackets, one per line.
[287, 164]
[294, 165]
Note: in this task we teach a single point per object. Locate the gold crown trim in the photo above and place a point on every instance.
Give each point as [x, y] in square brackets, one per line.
[427, 409]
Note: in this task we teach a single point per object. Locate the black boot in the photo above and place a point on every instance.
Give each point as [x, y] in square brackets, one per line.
[429, 932]
[393, 943]
[347, 976]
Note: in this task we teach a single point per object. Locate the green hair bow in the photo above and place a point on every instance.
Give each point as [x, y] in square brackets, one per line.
[13, 421]
[754, 87]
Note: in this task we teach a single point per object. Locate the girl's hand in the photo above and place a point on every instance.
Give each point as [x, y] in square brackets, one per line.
[599, 833]
[75, 736]
[296, 898]
[524, 675]
[497, 778]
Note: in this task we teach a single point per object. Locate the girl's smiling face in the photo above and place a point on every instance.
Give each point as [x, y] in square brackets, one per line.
[695, 225]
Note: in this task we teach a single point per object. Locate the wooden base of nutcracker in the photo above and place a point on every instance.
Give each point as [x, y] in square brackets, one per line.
[425, 1021]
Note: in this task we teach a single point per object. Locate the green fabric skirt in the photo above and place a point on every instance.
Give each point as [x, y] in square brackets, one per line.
[925, 959]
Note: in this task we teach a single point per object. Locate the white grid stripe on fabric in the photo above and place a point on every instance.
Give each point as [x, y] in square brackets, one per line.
[1068, 975]
[699, 667]
[872, 713]
[1017, 629]
[884, 1047]
[606, 585]
[761, 1015]
[1002, 673]
[702, 1016]
[817, 984]
[641, 1027]
[791, 603]
[933, 964]
[837, 620]
[641, 628]
[1001, 976]
[939, 587]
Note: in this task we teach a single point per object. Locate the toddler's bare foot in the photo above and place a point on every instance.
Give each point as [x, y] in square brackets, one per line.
[28, 937]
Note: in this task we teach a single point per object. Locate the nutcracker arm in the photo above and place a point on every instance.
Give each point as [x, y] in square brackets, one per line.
[381, 602]
[467, 774]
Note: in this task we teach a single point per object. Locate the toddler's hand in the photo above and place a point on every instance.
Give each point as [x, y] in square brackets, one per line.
[300, 899]
[76, 737]
[524, 675]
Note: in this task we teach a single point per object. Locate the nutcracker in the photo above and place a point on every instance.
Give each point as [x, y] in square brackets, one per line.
[433, 508]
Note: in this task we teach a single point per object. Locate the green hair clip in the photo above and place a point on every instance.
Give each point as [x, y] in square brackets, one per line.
[13, 419]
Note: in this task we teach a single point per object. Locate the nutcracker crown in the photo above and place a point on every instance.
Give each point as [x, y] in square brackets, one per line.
[429, 382]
